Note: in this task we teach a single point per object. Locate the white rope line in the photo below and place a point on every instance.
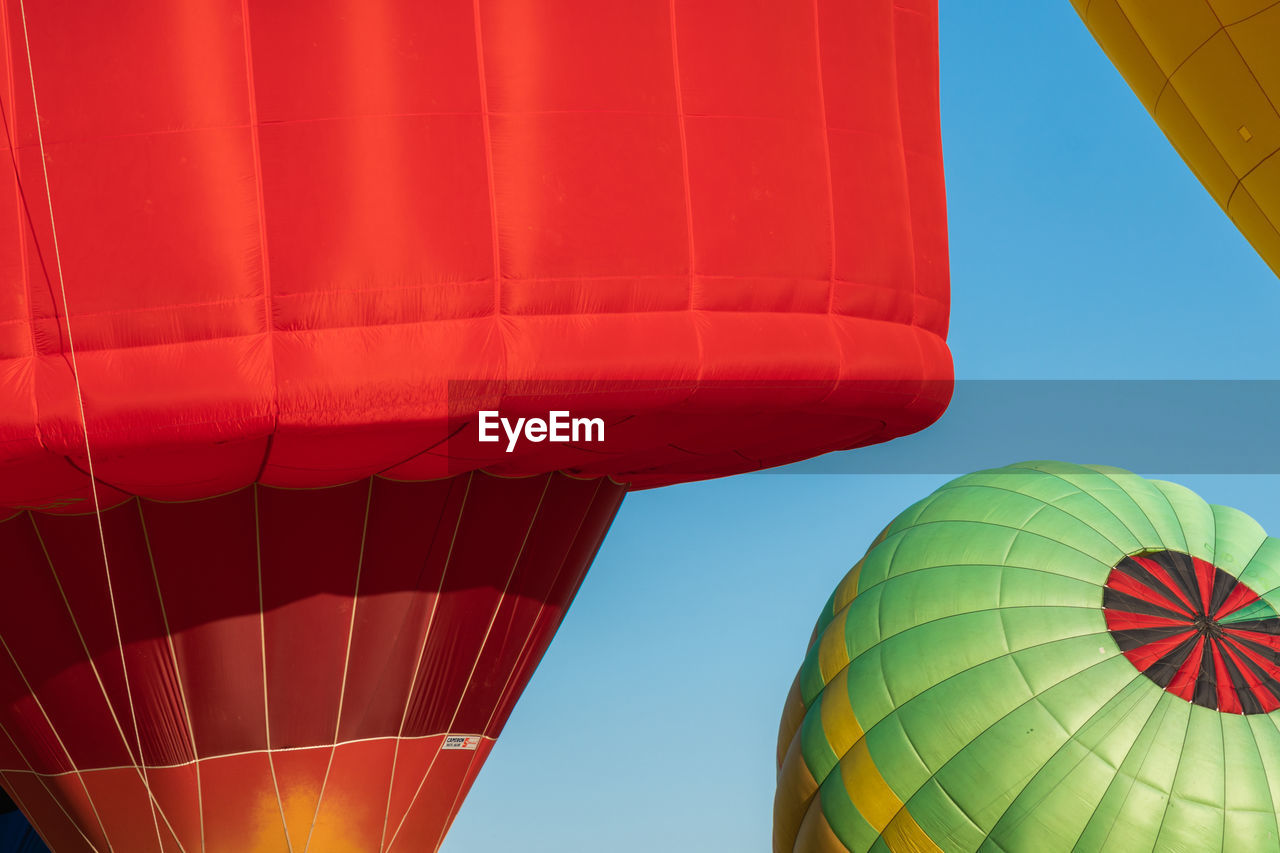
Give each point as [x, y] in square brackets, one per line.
[426, 635]
[520, 658]
[262, 626]
[346, 662]
[39, 705]
[93, 483]
[515, 564]
[138, 761]
[209, 758]
[173, 654]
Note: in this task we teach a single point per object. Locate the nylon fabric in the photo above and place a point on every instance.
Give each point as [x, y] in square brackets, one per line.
[1207, 72]
[265, 265]
[729, 242]
[270, 698]
[988, 701]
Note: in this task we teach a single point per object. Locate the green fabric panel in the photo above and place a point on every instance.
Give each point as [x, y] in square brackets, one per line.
[1095, 494]
[811, 682]
[1250, 815]
[1262, 575]
[868, 692]
[1238, 538]
[1156, 510]
[1266, 735]
[984, 778]
[1159, 765]
[816, 751]
[1030, 587]
[862, 629]
[1093, 665]
[846, 821]
[1055, 557]
[944, 820]
[943, 720]
[896, 757]
[909, 516]
[934, 727]
[1000, 508]
[1105, 829]
[880, 847]
[1194, 517]
[1051, 811]
[962, 543]
[1025, 627]
[1047, 488]
[923, 657]
[1116, 491]
[918, 598]
[1194, 819]
[878, 563]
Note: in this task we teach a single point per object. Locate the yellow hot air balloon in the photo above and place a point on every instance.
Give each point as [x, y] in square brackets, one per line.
[1208, 71]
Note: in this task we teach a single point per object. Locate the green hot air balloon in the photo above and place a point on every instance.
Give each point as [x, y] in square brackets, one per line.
[1044, 657]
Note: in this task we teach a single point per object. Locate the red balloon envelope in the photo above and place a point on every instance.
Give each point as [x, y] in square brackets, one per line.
[263, 266]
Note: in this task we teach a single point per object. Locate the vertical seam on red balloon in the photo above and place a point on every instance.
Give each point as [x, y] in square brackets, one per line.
[826, 149]
[24, 215]
[177, 670]
[268, 319]
[488, 160]
[93, 486]
[895, 11]
[681, 122]
[262, 627]
[831, 197]
[684, 149]
[11, 133]
[346, 663]
[426, 635]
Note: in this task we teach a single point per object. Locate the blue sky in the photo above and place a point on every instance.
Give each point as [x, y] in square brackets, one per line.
[1081, 248]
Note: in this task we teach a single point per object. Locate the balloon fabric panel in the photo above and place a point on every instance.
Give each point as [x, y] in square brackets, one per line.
[1207, 72]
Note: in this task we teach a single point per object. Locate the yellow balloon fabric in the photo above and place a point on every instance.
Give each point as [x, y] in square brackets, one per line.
[1208, 71]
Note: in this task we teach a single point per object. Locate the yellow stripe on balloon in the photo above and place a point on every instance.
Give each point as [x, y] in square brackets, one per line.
[833, 651]
[839, 723]
[879, 805]
[904, 835]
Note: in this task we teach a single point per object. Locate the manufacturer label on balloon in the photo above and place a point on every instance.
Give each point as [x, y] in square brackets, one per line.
[461, 741]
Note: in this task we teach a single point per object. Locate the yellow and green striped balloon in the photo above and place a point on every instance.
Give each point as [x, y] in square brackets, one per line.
[1044, 657]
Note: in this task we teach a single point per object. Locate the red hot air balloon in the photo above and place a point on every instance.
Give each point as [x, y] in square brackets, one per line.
[266, 265]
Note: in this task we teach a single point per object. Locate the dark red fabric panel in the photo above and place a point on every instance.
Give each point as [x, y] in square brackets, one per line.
[311, 548]
[397, 594]
[235, 615]
[205, 557]
[56, 710]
